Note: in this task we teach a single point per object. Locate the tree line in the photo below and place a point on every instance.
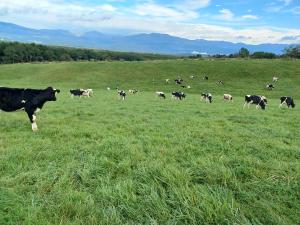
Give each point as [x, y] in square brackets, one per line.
[289, 52]
[15, 52]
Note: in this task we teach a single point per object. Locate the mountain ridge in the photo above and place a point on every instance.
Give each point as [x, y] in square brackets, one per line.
[142, 42]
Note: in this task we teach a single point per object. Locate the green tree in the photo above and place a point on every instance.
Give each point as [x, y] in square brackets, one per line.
[293, 51]
[244, 53]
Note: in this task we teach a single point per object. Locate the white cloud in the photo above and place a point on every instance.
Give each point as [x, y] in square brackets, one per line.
[249, 16]
[225, 14]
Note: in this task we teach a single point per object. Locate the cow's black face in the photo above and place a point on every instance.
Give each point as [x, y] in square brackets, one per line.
[262, 105]
[51, 93]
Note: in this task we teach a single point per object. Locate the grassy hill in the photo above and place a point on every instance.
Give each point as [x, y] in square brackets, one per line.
[148, 160]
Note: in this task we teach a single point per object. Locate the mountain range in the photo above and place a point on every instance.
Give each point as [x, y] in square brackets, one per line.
[150, 43]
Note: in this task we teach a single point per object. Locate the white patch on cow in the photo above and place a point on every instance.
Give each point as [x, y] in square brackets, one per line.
[33, 117]
[34, 126]
[37, 110]
[23, 101]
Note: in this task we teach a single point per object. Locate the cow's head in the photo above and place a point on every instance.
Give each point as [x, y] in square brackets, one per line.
[50, 91]
[262, 105]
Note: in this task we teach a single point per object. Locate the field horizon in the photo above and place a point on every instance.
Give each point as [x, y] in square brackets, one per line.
[147, 160]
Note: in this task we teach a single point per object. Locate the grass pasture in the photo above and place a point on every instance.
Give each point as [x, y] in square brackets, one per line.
[147, 160]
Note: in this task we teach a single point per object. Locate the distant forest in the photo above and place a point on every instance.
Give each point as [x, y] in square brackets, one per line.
[15, 52]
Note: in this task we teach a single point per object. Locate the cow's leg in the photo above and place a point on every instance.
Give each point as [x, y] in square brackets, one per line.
[245, 104]
[282, 103]
[32, 118]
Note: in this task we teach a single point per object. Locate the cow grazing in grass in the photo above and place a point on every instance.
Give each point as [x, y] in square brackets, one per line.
[228, 97]
[87, 92]
[275, 79]
[81, 92]
[270, 86]
[178, 95]
[220, 82]
[259, 101]
[122, 94]
[133, 91]
[76, 92]
[29, 100]
[288, 101]
[207, 97]
[178, 81]
[160, 94]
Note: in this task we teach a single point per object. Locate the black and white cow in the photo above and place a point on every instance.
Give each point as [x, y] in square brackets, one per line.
[133, 91]
[259, 101]
[122, 94]
[76, 92]
[207, 97]
[81, 92]
[220, 82]
[289, 101]
[228, 97]
[29, 100]
[178, 95]
[160, 94]
[205, 77]
[178, 81]
[270, 86]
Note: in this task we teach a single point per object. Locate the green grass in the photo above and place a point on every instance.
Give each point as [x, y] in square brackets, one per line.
[148, 160]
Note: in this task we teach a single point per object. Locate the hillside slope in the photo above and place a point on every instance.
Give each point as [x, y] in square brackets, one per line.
[146, 160]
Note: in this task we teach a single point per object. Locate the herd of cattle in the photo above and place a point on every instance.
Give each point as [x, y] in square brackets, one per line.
[33, 100]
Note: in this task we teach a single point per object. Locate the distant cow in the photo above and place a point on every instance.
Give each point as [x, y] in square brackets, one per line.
[87, 92]
[275, 79]
[178, 95]
[270, 86]
[76, 92]
[133, 91]
[178, 81]
[207, 97]
[228, 97]
[205, 77]
[160, 94]
[122, 94]
[259, 101]
[289, 101]
[30, 100]
[220, 82]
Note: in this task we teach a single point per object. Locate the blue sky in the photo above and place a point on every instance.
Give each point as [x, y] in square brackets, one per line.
[249, 21]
